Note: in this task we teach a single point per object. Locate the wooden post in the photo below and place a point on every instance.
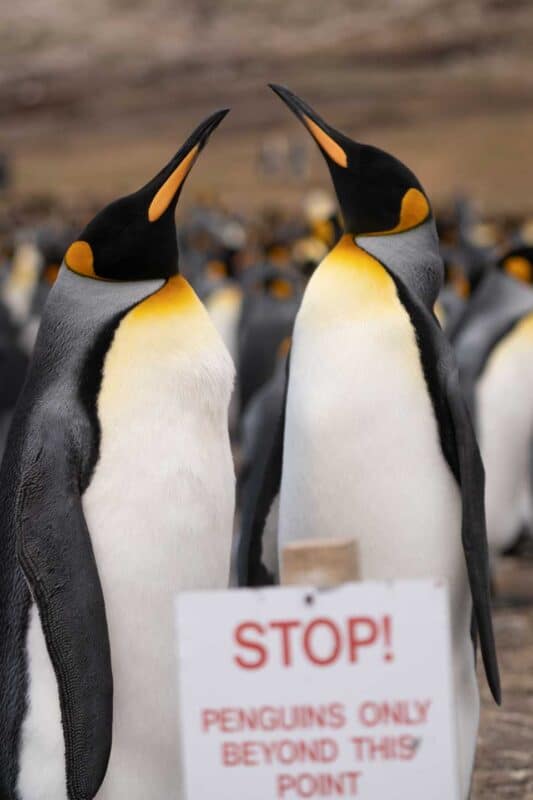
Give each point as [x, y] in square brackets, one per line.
[320, 562]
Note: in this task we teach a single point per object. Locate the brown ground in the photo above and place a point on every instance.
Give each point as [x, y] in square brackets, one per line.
[95, 95]
[505, 755]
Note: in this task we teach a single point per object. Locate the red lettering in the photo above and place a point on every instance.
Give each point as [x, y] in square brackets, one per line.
[337, 715]
[285, 628]
[284, 784]
[312, 656]
[259, 649]
[209, 717]
[228, 720]
[369, 714]
[230, 754]
[306, 785]
[357, 639]
[322, 785]
[322, 641]
[250, 757]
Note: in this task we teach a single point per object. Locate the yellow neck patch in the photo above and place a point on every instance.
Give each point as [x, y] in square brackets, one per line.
[349, 286]
[175, 297]
[167, 192]
[348, 255]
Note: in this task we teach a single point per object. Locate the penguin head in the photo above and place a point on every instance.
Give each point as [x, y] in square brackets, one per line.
[518, 263]
[376, 192]
[134, 237]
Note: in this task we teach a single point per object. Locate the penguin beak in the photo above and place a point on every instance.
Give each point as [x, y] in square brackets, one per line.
[167, 184]
[328, 139]
[204, 130]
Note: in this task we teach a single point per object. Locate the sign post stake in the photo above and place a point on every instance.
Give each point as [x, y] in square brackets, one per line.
[320, 562]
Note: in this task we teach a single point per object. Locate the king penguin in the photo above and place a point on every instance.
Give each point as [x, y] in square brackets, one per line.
[493, 342]
[271, 300]
[376, 441]
[117, 490]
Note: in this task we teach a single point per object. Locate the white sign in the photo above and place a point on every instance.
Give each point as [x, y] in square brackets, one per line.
[294, 693]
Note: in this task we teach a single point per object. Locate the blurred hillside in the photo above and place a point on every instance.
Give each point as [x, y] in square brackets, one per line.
[95, 95]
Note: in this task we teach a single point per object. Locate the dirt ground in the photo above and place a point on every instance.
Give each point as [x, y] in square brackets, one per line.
[505, 753]
[94, 97]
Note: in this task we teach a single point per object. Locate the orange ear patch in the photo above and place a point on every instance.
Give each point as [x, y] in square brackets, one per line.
[167, 192]
[79, 258]
[329, 145]
[414, 210]
[281, 289]
[519, 267]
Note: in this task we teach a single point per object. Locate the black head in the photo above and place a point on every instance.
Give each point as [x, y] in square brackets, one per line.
[134, 238]
[376, 192]
[518, 263]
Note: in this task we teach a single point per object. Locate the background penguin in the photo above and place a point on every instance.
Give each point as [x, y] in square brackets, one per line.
[224, 307]
[455, 290]
[19, 287]
[271, 301]
[213, 241]
[258, 428]
[450, 304]
[467, 259]
[13, 366]
[518, 263]
[38, 256]
[493, 342]
[51, 245]
[117, 490]
[477, 243]
[455, 287]
[376, 441]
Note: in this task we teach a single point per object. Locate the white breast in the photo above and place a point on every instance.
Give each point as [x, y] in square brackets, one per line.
[505, 416]
[362, 456]
[362, 451]
[160, 512]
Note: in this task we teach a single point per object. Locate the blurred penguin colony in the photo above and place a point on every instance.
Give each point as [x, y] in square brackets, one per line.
[251, 274]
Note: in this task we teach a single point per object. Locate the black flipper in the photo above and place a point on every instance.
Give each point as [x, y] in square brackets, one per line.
[250, 568]
[55, 552]
[460, 448]
[474, 534]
